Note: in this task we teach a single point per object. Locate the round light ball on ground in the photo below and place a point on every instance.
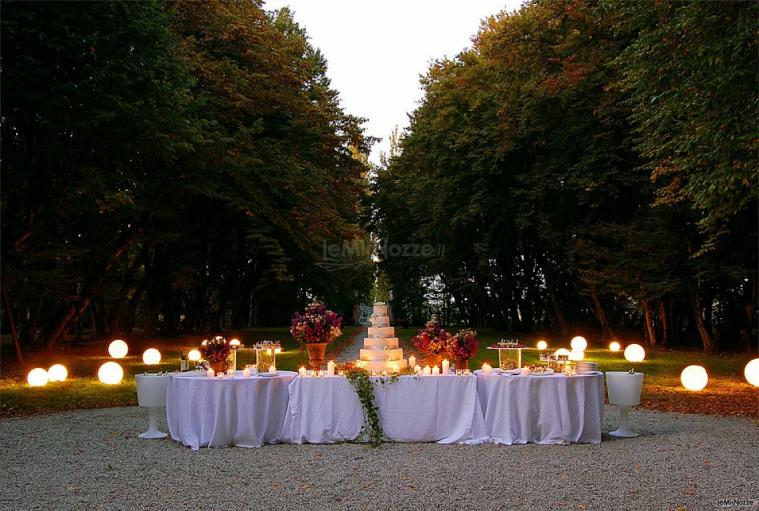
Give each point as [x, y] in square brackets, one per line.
[57, 372]
[576, 355]
[579, 343]
[694, 378]
[234, 342]
[110, 373]
[542, 345]
[751, 372]
[118, 349]
[614, 346]
[151, 356]
[37, 377]
[635, 353]
[193, 356]
[562, 352]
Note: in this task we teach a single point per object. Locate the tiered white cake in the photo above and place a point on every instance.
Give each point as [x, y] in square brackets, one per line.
[381, 351]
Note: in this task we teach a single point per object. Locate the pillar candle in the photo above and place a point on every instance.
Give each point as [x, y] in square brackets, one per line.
[417, 369]
[486, 368]
[427, 370]
[302, 371]
[331, 368]
[525, 371]
[231, 373]
[210, 373]
[436, 370]
[246, 372]
[272, 369]
[412, 361]
[446, 367]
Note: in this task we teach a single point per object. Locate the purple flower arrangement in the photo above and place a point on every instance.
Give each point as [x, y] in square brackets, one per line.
[464, 344]
[316, 324]
[216, 349]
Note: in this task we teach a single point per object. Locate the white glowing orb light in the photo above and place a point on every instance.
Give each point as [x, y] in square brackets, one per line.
[542, 345]
[235, 343]
[151, 356]
[694, 378]
[277, 350]
[751, 372]
[579, 343]
[615, 346]
[193, 356]
[110, 373]
[635, 353]
[562, 352]
[118, 349]
[37, 377]
[57, 372]
[576, 355]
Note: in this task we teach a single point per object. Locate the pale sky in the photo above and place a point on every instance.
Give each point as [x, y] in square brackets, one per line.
[377, 49]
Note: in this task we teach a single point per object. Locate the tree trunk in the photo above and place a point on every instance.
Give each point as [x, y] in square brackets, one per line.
[12, 324]
[558, 313]
[663, 323]
[75, 310]
[606, 331]
[703, 330]
[648, 324]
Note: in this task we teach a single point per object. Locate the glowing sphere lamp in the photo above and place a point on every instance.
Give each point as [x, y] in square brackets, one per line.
[110, 373]
[579, 343]
[614, 346]
[193, 356]
[751, 372]
[118, 349]
[635, 353]
[542, 345]
[57, 372]
[151, 356]
[694, 378]
[562, 352]
[37, 377]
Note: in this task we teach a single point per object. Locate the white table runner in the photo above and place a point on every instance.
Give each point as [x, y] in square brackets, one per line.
[221, 412]
[554, 409]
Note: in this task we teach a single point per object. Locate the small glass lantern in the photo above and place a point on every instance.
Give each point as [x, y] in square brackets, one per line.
[266, 355]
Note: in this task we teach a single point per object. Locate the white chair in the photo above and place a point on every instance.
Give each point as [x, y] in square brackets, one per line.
[151, 394]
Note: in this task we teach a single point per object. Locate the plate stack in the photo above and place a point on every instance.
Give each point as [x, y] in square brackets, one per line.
[585, 367]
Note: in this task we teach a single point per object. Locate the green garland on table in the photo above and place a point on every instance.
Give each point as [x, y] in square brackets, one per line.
[363, 384]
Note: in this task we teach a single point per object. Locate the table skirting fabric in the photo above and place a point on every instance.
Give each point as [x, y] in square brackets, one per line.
[553, 409]
[221, 412]
[443, 409]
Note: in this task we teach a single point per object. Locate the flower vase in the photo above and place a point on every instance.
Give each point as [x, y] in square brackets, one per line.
[316, 354]
[462, 364]
[220, 366]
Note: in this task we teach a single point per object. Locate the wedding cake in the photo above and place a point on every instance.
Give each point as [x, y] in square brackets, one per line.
[381, 351]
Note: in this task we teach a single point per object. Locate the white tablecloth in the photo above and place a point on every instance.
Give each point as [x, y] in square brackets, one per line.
[220, 412]
[552, 409]
[442, 409]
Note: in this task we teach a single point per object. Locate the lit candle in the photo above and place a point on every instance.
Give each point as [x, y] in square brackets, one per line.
[231, 373]
[486, 368]
[302, 371]
[246, 372]
[331, 368]
[210, 373]
[436, 370]
[525, 371]
[412, 361]
[427, 370]
[417, 369]
[313, 372]
[272, 369]
[446, 367]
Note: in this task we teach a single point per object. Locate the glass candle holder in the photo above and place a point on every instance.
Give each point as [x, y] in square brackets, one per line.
[509, 358]
[265, 357]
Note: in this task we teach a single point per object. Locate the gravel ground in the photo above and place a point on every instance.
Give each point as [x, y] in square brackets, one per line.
[92, 459]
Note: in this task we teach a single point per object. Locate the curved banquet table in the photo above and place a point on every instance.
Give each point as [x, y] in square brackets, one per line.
[221, 412]
[442, 409]
[554, 409]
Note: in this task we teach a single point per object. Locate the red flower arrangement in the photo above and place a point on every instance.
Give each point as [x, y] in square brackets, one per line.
[464, 344]
[316, 324]
[433, 340]
[216, 350]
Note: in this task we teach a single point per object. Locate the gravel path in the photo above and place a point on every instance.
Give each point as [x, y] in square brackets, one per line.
[92, 459]
[351, 352]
